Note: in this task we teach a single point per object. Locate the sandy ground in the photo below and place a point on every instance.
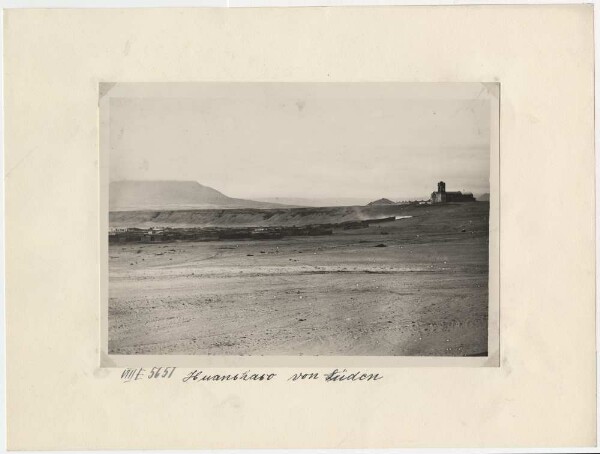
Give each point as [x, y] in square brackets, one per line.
[424, 293]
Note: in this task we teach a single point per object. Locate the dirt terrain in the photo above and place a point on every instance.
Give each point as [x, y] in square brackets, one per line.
[414, 286]
[255, 217]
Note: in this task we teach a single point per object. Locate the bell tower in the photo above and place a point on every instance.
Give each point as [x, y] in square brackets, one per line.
[441, 187]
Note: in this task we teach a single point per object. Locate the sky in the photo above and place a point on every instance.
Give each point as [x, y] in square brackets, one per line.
[303, 140]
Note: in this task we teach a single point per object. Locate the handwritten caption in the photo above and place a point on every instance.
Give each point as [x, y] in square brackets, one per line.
[169, 373]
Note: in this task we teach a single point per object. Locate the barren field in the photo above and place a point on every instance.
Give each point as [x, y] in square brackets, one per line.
[414, 286]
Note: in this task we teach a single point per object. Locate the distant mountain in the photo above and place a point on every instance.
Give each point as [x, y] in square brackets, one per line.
[174, 195]
[381, 202]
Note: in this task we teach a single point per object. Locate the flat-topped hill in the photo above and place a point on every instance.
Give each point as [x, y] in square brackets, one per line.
[173, 195]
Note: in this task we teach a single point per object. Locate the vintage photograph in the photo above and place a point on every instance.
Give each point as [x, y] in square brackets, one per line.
[298, 219]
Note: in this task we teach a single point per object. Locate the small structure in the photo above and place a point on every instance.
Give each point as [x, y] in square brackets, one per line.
[442, 196]
[113, 230]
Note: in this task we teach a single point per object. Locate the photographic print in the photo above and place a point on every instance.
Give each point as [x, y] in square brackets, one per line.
[298, 219]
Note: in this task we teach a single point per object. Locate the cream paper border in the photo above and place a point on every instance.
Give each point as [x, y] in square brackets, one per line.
[543, 391]
[489, 91]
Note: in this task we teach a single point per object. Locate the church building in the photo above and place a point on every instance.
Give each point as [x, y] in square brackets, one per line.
[441, 196]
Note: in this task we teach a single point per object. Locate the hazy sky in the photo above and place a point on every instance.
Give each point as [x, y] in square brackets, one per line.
[304, 140]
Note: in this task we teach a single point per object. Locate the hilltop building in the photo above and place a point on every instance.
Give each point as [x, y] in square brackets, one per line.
[442, 196]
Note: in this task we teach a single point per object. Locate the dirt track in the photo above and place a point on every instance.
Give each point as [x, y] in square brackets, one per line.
[424, 293]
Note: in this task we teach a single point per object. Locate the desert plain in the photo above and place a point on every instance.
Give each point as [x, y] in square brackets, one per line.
[414, 286]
